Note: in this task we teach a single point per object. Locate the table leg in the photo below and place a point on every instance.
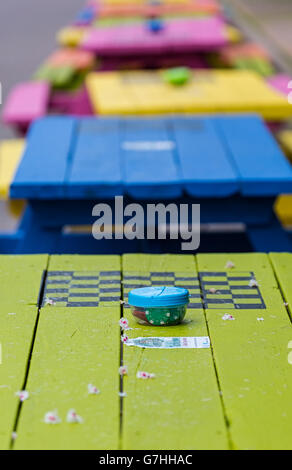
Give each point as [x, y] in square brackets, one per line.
[34, 238]
[272, 237]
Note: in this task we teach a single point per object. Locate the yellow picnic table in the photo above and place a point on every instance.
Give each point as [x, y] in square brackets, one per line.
[206, 91]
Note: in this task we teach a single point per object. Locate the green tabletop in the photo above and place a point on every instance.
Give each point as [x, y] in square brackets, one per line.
[60, 332]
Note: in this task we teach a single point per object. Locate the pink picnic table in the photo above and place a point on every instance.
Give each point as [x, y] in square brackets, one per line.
[177, 36]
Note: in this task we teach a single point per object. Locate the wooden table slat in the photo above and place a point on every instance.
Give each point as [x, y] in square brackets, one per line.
[282, 264]
[180, 408]
[262, 167]
[20, 280]
[44, 163]
[74, 347]
[251, 356]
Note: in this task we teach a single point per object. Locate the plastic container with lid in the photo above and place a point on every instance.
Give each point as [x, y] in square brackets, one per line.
[159, 305]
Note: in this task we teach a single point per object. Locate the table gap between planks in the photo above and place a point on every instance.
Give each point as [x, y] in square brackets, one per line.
[235, 395]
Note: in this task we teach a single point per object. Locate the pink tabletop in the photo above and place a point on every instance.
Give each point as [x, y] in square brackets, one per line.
[280, 82]
[27, 102]
[177, 36]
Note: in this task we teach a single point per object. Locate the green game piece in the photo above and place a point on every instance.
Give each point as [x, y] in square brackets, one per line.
[177, 76]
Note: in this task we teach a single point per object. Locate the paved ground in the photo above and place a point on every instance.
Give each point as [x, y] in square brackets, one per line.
[276, 18]
[27, 36]
[268, 22]
[27, 32]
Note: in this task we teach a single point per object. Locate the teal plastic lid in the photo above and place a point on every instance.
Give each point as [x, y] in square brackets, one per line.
[159, 296]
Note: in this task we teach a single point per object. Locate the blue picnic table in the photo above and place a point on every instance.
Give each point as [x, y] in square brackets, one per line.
[230, 165]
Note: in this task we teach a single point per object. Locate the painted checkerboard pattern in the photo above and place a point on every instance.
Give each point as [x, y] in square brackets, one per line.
[132, 280]
[82, 288]
[93, 288]
[232, 289]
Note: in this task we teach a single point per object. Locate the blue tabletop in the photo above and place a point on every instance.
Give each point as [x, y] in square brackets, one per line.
[150, 158]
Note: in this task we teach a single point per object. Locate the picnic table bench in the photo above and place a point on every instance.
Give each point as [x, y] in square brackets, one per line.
[71, 164]
[235, 395]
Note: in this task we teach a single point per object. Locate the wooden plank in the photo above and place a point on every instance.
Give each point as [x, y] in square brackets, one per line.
[262, 166]
[21, 274]
[10, 155]
[205, 165]
[208, 91]
[176, 36]
[42, 170]
[206, 157]
[282, 264]
[180, 408]
[72, 280]
[113, 100]
[74, 347]
[149, 159]
[27, 102]
[93, 173]
[20, 280]
[251, 353]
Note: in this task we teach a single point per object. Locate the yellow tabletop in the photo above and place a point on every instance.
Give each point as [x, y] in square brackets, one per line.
[207, 91]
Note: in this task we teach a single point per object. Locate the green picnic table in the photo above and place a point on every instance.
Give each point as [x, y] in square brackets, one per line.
[59, 332]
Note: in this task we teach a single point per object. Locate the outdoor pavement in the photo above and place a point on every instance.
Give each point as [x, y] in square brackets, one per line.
[27, 36]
